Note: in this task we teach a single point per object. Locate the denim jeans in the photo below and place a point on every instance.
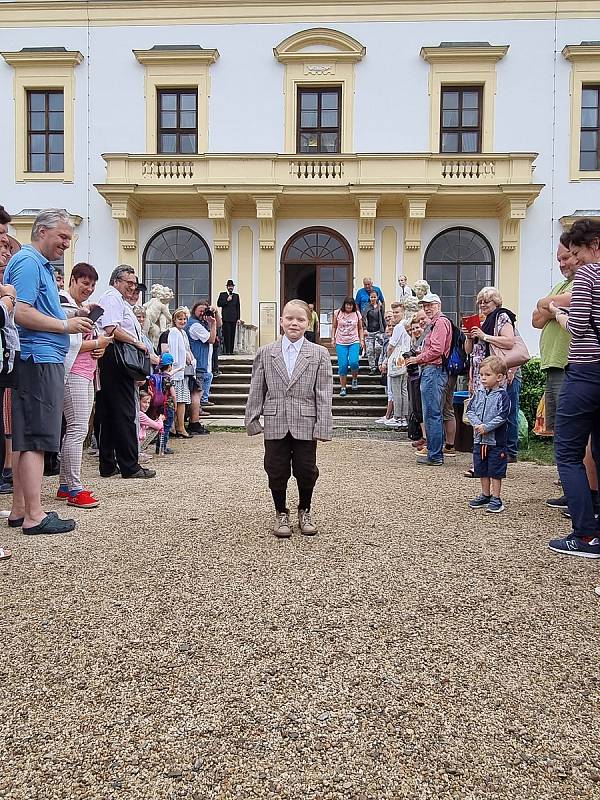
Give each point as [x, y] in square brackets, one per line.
[205, 379]
[347, 353]
[162, 441]
[512, 427]
[433, 388]
[578, 416]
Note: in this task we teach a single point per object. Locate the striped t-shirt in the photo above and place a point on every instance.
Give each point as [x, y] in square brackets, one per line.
[585, 306]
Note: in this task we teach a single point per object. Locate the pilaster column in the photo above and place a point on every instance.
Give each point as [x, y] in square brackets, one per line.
[513, 213]
[367, 214]
[266, 208]
[126, 211]
[416, 208]
[219, 208]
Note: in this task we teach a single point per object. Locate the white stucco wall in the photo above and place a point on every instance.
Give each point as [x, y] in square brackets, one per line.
[246, 114]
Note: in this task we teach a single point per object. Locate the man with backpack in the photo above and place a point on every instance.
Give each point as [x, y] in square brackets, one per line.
[433, 361]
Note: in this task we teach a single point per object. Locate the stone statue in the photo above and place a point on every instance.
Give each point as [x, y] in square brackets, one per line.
[158, 316]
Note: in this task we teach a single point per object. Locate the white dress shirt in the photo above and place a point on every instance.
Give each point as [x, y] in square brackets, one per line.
[405, 291]
[117, 311]
[290, 352]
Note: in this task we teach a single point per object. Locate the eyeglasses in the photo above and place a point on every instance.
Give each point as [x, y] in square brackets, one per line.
[129, 283]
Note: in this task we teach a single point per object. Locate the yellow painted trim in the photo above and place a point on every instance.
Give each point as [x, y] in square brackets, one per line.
[585, 68]
[329, 62]
[44, 70]
[21, 229]
[508, 277]
[176, 69]
[345, 48]
[389, 267]
[245, 278]
[463, 66]
[217, 12]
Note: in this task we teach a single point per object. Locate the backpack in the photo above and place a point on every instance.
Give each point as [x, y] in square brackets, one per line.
[157, 394]
[457, 361]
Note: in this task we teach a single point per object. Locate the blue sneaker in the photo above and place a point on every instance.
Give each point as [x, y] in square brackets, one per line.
[481, 501]
[495, 506]
[342, 393]
[429, 462]
[576, 546]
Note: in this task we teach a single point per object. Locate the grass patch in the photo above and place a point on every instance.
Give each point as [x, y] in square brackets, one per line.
[540, 451]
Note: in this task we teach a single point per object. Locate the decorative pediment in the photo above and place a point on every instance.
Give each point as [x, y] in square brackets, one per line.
[318, 43]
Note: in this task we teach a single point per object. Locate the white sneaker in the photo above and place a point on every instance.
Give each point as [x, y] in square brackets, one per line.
[381, 420]
[281, 526]
[307, 526]
[392, 422]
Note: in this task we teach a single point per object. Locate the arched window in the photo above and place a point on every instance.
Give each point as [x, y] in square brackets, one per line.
[180, 259]
[459, 262]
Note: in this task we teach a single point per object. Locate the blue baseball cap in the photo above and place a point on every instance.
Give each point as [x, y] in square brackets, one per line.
[166, 360]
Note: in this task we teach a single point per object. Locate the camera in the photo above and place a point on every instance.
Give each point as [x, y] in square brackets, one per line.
[412, 370]
[208, 312]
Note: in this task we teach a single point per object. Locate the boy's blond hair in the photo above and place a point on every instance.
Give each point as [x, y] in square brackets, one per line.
[299, 304]
[496, 364]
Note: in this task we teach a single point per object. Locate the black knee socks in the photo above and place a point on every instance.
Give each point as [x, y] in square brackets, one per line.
[279, 498]
[304, 498]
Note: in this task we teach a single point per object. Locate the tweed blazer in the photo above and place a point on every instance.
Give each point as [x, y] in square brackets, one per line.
[300, 404]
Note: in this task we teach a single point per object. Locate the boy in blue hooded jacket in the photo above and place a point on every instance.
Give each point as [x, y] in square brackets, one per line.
[488, 414]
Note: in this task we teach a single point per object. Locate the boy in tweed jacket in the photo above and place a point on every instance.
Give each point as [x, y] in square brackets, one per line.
[291, 386]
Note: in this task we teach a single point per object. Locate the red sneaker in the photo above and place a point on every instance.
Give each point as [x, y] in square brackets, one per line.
[62, 494]
[83, 499]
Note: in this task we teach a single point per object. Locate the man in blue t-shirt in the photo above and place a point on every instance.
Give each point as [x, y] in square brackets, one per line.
[38, 399]
[362, 296]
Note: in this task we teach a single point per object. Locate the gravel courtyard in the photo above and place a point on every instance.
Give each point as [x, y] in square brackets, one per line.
[172, 648]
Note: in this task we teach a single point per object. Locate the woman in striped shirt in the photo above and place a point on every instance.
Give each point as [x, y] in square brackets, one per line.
[578, 412]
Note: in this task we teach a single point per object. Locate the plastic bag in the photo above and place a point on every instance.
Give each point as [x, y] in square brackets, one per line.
[540, 419]
[523, 431]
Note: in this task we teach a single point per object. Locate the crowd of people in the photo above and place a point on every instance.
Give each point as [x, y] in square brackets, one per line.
[67, 361]
[71, 367]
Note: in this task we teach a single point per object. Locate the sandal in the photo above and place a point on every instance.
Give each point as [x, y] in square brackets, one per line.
[4, 553]
[51, 524]
[469, 473]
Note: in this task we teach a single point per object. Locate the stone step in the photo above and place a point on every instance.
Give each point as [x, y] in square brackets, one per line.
[242, 387]
[352, 398]
[342, 410]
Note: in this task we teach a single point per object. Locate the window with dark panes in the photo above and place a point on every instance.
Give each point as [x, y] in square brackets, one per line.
[460, 129]
[458, 263]
[319, 120]
[177, 121]
[180, 259]
[589, 143]
[45, 131]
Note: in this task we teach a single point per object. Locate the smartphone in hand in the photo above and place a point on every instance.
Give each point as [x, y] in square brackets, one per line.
[95, 313]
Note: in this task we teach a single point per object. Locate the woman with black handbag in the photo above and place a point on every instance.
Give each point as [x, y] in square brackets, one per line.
[125, 362]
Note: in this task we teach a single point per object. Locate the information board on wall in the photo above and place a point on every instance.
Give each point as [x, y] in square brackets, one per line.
[268, 323]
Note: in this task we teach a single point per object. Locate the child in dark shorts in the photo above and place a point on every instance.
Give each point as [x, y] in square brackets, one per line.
[488, 413]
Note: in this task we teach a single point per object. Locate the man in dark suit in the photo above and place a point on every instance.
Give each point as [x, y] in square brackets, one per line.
[229, 301]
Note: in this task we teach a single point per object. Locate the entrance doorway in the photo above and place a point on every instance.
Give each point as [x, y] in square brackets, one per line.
[317, 267]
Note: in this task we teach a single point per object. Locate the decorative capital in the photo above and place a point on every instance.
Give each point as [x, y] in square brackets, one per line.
[219, 211]
[366, 222]
[416, 209]
[266, 207]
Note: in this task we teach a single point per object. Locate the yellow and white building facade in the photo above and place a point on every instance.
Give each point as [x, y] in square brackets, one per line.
[296, 148]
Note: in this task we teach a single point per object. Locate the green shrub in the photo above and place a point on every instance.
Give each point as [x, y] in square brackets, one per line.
[532, 388]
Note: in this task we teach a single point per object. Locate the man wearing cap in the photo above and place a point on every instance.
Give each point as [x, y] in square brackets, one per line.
[434, 378]
[229, 301]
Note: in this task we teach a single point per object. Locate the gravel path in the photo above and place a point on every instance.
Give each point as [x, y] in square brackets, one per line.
[172, 648]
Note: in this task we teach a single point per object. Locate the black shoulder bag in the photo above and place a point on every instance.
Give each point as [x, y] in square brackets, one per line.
[131, 361]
